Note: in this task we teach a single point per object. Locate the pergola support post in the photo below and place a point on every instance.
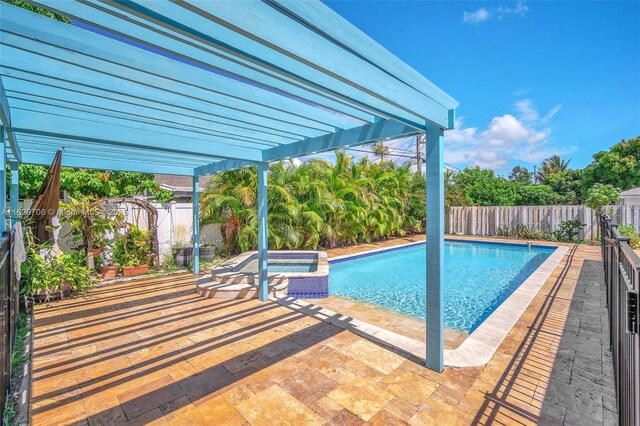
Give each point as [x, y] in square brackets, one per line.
[435, 246]
[3, 180]
[14, 195]
[263, 243]
[196, 224]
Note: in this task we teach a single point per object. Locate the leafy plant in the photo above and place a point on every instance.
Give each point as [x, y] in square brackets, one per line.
[504, 231]
[132, 248]
[43, 272]
[318, 203]
[529, 233]
[620, 166]
[90, 223]
[568, 231]
[629, 231]
[97, 183]
[600, 195]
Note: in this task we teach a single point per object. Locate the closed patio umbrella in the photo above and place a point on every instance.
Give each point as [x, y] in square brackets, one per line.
[47, 201]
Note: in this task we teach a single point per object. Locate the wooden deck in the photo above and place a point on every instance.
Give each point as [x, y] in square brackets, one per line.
[153, 352]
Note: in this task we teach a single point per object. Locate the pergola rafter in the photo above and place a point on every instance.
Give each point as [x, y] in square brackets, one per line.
[199, 87]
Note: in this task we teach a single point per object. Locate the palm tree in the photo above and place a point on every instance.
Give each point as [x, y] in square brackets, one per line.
[379, 149]
[551, 165]
[317, 203]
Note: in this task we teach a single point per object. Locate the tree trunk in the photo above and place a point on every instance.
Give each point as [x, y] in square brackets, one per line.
[90, 263]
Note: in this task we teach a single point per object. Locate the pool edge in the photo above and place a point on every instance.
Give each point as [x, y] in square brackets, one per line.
[483, 342]
[478, 348]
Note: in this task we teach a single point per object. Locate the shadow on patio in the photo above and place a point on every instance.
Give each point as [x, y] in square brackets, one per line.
[558, 374]
[152, 350]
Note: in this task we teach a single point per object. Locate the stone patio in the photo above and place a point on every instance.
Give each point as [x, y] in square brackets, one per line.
[151, 351]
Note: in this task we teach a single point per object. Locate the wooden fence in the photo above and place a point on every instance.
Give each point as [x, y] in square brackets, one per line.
[488, 220]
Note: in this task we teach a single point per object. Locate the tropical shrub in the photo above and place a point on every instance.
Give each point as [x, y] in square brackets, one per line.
[523, 232]
[600, 195]
[481, 187]
[619, 167]
[529, 233]
[568, 231]
[41, 272]
[317, 203]
[96, 183]
[133, 248]
[629, 231]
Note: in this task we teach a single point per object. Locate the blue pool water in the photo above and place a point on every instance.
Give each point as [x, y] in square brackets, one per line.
[282, 266]
[478, 277]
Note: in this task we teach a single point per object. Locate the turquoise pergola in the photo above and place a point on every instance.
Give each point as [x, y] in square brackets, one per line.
[200, 87]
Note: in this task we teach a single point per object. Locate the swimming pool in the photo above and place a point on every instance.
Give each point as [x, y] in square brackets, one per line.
[478, 277]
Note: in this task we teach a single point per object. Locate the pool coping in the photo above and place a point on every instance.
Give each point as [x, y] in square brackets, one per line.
[478, 348]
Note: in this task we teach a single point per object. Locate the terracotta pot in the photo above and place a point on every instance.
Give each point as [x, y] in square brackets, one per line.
[43, 295]
[131, 271]
[96, 252]
[109, 272]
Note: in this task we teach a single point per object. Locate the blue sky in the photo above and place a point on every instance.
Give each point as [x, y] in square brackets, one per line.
[533, 78]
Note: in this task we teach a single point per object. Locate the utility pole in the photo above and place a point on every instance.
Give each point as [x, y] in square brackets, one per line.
[535, 175]
[419, 141]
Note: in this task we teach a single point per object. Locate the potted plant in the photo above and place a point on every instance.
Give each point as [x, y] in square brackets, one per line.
[132, 251]
[46, 277]
[109, 272]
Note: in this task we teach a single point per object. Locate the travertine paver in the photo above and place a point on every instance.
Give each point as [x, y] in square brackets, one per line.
[152, 351]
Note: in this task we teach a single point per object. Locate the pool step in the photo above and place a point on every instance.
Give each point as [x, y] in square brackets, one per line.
[246, 289]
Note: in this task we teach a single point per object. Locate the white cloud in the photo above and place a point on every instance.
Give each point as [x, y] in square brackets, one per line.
[520, 9]
[476, 17]
[507, 138]
[500, 12]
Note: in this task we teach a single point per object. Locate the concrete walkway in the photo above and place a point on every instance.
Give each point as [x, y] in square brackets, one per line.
[153, 352]
[581, 388]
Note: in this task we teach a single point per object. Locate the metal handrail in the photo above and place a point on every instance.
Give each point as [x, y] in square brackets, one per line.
[622, 279]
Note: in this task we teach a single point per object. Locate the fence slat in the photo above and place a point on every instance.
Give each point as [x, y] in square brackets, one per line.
[489, 220]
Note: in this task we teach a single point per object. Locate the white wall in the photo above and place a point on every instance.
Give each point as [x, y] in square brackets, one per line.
[630, 200]
[175, 225]
[175, 221]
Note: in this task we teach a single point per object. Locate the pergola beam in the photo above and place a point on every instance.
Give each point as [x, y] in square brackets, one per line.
[381, 130]
[88, 162]
[88, 131]
[90, 95]
[30, 113]
[221, 166]
[109, 17]
[82, 53]
[32, 142]
[5, 118]
[172, 122]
